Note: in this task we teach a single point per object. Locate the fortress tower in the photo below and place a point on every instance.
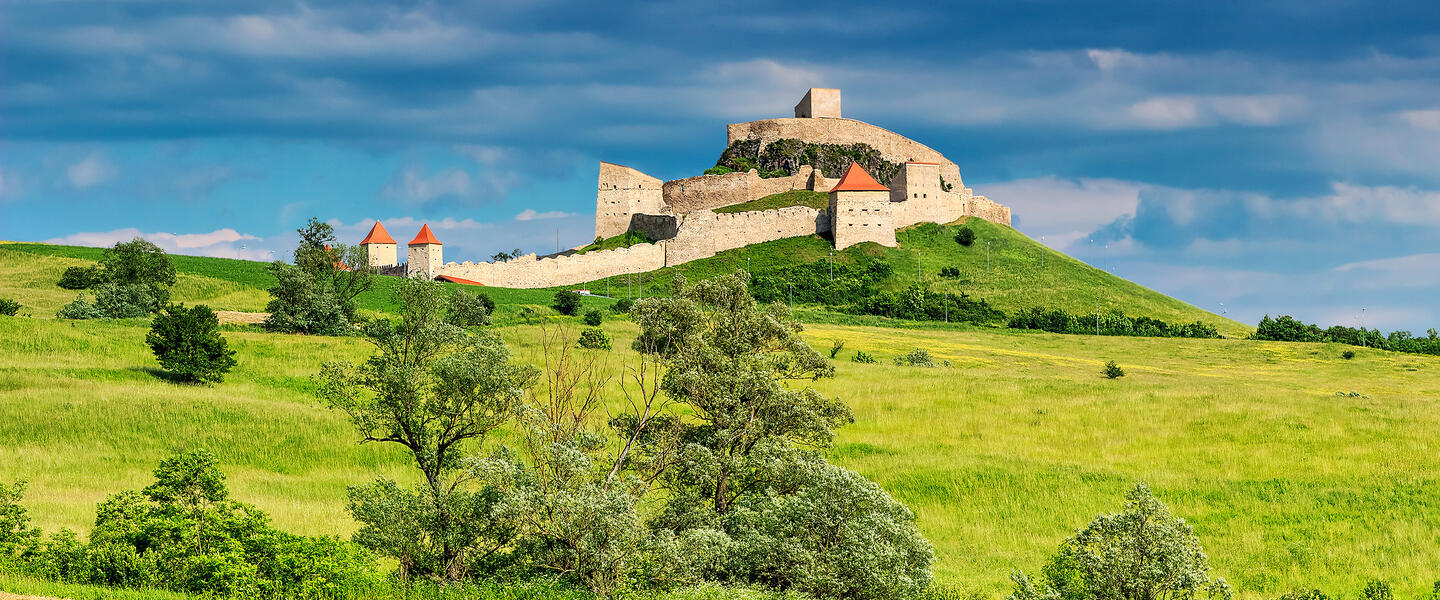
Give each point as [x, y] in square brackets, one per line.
[860, 210]
[379, 246]
[424, 254]
[819, 102]
[623, 192]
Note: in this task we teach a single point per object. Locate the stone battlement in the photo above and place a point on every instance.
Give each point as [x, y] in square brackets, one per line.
[680, 213]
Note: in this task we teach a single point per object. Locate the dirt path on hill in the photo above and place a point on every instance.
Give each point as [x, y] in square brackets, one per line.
[230, 316]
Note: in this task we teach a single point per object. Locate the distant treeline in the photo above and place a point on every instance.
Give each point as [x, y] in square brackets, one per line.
[1290, 329]
[856, 289]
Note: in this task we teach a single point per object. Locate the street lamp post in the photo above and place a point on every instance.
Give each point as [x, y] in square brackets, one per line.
[1223, 311]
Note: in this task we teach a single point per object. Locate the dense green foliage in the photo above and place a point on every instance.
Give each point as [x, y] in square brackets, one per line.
[808, 198]
[139, 262]
[567, 302]
[624, 240]
[918, 357]
[81, 278]
[1140, 553]
[820, 282]
[919, 302]
[594, 338]
[1057, 320]
[184, 533]
[1112, 370]
[965, 236]
[785, 156]
[188, 344]
[9, 307]
[300, 303]
[1288, 329]
[469, 309]
[622, 306]
[594, 317]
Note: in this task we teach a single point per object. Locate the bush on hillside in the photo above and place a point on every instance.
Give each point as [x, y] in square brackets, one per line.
[78, 309]
[18, 539]
[836, 346]
[622, 306]
[1113, 370]
[112, 301]
[965, 236]
[187, 342]
[1140, 553]
[9, 307]
[567, 302]
[918, 357]
[1058, 320]
[1287, 329]
[139, 262]
[594, 317]
[594, 338]
[1348, 354]
[81, 278]
[301, 304]
[183, 533]
[950, 272]
[863, 357]
[469, 310]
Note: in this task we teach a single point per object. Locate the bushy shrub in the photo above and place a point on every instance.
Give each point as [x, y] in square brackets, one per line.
[1376, 589]
[139, 262]
[567, 302]
[469, 310]
[1113, 370]
[918, 357]
[78, 308]
[81, 278]
[863, 357]
[594, 317]
[1287, 329]
[836, 346]
[622, 306]
[966, 236]
[187, 342]
[1348, 354]
[594, 338]
[837, 535]
[1140, 553]
[301, 304]
[950, 272]
[9, 307]
[18, 539]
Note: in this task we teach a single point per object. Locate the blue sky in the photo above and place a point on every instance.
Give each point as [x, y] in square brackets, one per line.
[1279, 157]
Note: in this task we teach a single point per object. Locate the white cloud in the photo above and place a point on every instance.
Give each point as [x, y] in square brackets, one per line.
[529, 214]
[224, 243]
[90, 172]
[1065, 211]
[1177, 112]
[1428, 119]
[1415, 270]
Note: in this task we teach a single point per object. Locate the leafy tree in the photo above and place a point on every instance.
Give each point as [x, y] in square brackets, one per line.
[965, 237]
[1140, 553]
[139, 262]
[594, 317]
[1113, 370]
[314, 237]
[129, 300]
[301, 304]
[81, 278]
[187, 342]
[437, 391]
[469, 310]
[623, 306]
[9, 307]
[594, 338]
[567, 302]
[346, 268]
[505, 256]
[17, 538]
[79, 308]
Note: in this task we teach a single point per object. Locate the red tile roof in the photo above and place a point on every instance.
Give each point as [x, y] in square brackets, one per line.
[377, 235]
[425, 237]
[454, 279]
[856, 179]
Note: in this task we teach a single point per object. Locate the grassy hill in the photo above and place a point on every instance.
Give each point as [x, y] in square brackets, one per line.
[1001, 456]
[1015, 279]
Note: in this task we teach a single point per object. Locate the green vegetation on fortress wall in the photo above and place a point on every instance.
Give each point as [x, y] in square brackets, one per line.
[785, 156]
[812, 199]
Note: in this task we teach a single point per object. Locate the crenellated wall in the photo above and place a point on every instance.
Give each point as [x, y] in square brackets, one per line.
[704, 233]
[714, 191]
[892, 146]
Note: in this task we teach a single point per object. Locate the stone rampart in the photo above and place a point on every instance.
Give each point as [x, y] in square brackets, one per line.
[892, 146]
[704, 233]
[531, 271]
[707, 192]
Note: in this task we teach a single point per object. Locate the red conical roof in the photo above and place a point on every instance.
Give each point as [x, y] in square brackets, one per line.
[856, 179]
[377, 235]
[425, 237]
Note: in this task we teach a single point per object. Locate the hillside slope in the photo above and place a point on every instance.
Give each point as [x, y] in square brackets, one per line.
[1014, 281]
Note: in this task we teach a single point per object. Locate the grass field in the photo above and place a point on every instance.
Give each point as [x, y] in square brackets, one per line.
[1001, 456]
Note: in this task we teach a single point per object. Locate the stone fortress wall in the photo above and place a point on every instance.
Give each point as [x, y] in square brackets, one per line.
[680, 215]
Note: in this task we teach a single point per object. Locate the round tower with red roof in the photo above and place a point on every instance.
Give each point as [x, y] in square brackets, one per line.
[860, 210]
[379, 247]
[424, 256]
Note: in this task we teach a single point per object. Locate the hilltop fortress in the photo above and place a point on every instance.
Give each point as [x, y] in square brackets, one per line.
[817, 151]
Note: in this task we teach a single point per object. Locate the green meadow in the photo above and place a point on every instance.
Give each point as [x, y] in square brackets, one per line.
[1297, 468]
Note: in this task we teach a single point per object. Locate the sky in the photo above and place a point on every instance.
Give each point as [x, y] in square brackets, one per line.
[1277, 157]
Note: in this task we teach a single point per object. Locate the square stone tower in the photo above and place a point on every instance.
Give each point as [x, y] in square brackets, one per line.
[860, 210]
[622, 193]
[819, 102]
[424, 254]
[379, 246]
